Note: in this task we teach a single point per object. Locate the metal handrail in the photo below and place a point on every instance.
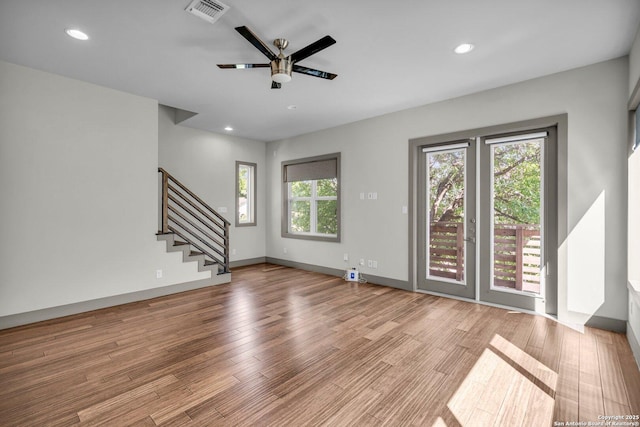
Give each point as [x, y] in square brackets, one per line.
[194, 209]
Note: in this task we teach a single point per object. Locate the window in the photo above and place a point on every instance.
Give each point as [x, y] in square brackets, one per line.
[245, 194]
[311, 198]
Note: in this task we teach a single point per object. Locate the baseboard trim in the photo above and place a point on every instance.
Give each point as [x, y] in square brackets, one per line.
[249, 261]
[20, 319]
[377, 280]
[607, 324]
[634, 344]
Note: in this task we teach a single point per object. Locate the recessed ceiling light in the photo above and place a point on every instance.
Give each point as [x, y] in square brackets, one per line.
[463, 48]
[228, 128]
[76, 34]
[292, 107]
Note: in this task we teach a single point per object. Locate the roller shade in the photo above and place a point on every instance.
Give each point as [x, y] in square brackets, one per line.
[444, 147]
[515, 138]
[308, 171]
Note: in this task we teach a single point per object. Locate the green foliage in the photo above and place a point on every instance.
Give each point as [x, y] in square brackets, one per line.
[446, 186]
[243, 173]
[301, 189]
[516, 184]
[300, 216]
[327, 187]
[327, 222]
[325, 210]
[243, 184]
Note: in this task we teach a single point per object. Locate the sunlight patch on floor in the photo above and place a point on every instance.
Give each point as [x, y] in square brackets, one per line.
[506, 386]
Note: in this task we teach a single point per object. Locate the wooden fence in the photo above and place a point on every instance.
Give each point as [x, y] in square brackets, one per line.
[516, 254]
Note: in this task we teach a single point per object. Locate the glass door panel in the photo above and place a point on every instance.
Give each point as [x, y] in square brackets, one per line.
[517, 221]
[446, 190]
[447, 225]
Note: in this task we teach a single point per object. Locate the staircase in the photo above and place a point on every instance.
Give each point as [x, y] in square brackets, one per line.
[192, 227]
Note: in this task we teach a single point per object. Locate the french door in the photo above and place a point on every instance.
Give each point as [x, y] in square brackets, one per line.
[487, 219]
[446, 220]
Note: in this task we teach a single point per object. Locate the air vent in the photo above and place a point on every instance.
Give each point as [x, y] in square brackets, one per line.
[208, 10]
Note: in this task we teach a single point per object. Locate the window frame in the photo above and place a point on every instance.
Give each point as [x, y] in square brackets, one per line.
[251, 194]
[286, 200]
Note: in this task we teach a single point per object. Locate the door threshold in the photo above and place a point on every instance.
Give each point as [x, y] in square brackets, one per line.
[491, 304]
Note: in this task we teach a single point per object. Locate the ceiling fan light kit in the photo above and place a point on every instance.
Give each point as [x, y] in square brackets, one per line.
[281, 70]
[282, 66]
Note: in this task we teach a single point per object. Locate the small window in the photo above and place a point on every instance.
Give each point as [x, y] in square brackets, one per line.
[311, 198]
[245, 194]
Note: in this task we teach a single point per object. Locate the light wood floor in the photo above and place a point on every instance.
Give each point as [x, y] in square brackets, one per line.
[280, 346]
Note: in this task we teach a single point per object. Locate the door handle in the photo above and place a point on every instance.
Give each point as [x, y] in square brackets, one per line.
[470, 239]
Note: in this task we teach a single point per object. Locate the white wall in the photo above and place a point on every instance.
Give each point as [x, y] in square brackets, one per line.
[634, 63]
[78, 183]
[375, 159]
[205, 162]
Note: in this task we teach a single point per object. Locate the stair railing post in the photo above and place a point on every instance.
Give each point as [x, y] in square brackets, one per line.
[165, 201]
[226, 247]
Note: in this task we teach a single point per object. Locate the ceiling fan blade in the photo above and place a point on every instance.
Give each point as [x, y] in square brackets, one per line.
[276, 85]
[312, 72]
[254, 40]
[241, 66]
[314, 47]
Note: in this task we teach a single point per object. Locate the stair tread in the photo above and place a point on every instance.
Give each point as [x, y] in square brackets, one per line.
[207, 262]
[179, 243]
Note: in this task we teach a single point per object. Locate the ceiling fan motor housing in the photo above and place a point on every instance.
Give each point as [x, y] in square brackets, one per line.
[281, 70]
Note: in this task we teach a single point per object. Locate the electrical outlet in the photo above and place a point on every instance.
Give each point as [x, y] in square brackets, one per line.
[158, 274]
[233, 251]
[374, 264]
[362, 262]
[345, 257]
[284, 250]
[361, 196]
[369, 263]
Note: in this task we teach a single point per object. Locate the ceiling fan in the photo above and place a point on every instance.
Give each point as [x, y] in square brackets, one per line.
[281, 65]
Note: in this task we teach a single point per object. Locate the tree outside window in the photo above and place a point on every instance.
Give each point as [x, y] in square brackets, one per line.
[245, 194]
[314, 207]
[311, 198]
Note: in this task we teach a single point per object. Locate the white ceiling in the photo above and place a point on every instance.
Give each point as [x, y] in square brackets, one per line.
[389, 56]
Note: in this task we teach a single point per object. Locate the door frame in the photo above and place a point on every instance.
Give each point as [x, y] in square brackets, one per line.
[507, 297]
[466, 289]
[553, 299]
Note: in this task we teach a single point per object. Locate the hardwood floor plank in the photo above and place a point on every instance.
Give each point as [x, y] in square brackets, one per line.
[613, 384]
[203, 393]
[284, 347]
[565, 409]
[630, 373]
[567, 391]
[590, 403]
[589, 368]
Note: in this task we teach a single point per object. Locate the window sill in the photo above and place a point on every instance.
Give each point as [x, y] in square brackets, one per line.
[317, 237]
